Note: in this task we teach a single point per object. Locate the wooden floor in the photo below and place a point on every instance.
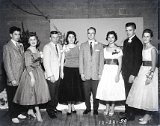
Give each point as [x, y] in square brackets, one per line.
[74, 120]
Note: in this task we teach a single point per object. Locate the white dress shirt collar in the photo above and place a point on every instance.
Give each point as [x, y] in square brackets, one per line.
[14, 42]
[130, 39]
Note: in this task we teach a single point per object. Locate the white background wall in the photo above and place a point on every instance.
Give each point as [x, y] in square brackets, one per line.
[102, 25]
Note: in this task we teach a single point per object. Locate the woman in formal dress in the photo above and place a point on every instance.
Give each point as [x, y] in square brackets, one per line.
[144, 91]
[33, 89]
[111, 86]
[71, 88]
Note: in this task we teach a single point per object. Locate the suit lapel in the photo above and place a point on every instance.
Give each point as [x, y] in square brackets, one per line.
[20, 51]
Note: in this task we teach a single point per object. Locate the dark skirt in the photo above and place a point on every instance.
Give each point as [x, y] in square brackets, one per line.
[71, 87]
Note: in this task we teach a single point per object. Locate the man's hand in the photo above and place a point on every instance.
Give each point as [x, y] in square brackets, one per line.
[83, 77]
[14, 83]
[117, 78]
[131, 79]
[52, 79]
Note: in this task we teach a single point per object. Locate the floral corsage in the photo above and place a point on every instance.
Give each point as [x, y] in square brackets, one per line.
[115, 52]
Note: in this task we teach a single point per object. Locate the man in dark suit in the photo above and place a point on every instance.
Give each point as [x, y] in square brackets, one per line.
[91, 60]
[13, 58]
[131, 62]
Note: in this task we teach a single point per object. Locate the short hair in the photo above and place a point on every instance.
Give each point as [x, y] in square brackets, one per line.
[132, 24]
[13, 29]
[113, 33]
[73, 33]
[53, 32]
[31, 34]
[91, 28]
[148, 31]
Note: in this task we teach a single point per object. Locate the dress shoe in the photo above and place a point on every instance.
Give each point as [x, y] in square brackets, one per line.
[15, 120]
[123, 120]
[20, 116]
[141, 119]
[86, 111]
[69, 113]
[131, 118]
[74, 111]
[143, 122]
[122, 114]
[105, 112]
[52, 115]
[56, 110]
[95, 112]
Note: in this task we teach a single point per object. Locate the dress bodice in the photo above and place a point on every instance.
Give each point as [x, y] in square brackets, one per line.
[112, 54]
[32, 60]
[146, 54]
[72, 57]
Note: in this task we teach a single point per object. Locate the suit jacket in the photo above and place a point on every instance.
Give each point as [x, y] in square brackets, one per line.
[51, 61]
[132, 57]
[13, 59]
[91, 66]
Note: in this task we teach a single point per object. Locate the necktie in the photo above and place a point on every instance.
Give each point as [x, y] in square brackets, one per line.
[56, 49]
[18, 46]
[91, 50]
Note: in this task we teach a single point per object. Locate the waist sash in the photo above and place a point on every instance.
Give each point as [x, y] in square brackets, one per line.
[147, 63]
[111, 61]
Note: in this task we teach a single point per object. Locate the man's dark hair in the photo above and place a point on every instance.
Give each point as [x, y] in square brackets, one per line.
[13, 29]
[132, 24]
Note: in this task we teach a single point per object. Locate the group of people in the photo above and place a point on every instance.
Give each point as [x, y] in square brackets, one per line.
[72, 73]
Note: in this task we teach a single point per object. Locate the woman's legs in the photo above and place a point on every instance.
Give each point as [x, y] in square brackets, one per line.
[107, 109]
[38, 114]
[112, 109]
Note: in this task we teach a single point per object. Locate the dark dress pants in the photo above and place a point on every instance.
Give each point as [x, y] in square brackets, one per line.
[14, 109]
[129, 111]
[90, 86]
[53, 89]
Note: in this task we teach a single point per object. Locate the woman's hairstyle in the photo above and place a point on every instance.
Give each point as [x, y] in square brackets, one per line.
[31, 34]
[73, 33]
[113, 33]
[148, 31]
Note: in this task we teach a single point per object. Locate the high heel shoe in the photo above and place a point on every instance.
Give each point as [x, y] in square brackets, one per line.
[143, 122]
[111, 113]
[74, 111]
[31, 114]
[141, 119]
[105, 112]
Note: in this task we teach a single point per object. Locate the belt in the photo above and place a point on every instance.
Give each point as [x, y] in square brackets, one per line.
[147, 63]
[111, 61]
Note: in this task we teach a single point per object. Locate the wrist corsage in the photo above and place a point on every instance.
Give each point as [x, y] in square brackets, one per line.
[149, 75]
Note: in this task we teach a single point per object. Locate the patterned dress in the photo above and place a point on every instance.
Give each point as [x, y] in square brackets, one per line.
[39, 93]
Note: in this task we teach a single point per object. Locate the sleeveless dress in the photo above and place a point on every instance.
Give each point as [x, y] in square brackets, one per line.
[143, 96]
[108, 89]
[71, 87]
[39, 93]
